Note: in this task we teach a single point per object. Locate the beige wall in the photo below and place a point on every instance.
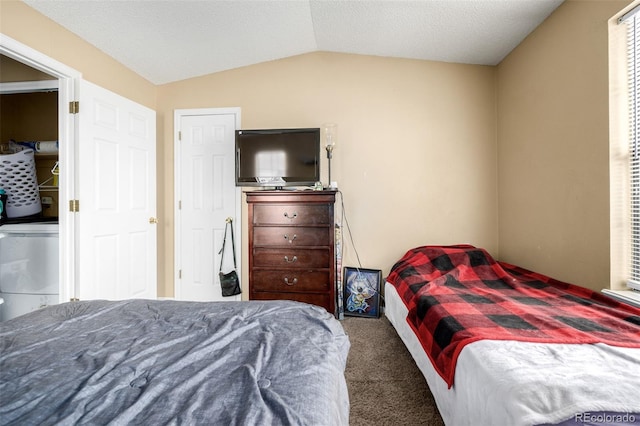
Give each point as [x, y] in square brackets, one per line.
[416, 151]
[425, 150]
[14, 71]
[553, 150]
[416, 154]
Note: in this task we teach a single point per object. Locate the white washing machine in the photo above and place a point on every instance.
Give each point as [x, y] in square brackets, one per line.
[29, 267]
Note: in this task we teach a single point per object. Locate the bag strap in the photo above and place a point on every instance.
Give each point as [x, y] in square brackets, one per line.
[224, 240]
[233, 244]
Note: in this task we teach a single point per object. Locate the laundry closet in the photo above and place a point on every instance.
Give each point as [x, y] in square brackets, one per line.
[29, 232]
[93, 234]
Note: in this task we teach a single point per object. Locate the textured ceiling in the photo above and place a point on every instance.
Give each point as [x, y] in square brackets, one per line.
[170, 40]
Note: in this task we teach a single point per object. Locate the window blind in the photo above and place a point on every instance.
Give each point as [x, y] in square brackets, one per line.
[633, 67]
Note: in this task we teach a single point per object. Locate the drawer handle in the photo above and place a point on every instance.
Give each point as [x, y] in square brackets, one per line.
[292, 216]
[286, 259]
[294, 281]
[286, 237]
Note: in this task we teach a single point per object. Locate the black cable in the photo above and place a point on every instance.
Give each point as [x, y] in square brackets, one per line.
[344, 218]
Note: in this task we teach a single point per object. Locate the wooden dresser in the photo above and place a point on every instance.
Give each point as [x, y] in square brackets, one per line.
[291, 246]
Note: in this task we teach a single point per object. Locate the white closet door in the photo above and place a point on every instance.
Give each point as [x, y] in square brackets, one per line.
[116, 227]
[205, 186]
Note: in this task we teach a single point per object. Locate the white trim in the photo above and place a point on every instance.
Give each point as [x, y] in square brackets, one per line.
[68, 83]
[628, 15]
[630, 297]
[31, 57]
[29, 86]
[177, 116]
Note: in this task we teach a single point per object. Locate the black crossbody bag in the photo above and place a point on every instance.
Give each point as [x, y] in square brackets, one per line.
[229, 282]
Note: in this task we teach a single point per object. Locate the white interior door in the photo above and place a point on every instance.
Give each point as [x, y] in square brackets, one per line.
[205, 196]
[117, 239]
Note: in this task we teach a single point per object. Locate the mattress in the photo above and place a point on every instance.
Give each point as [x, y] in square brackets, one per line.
[171, 362]
[524, 383]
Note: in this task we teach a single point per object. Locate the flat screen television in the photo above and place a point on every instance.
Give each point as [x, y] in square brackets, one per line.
[277, 157]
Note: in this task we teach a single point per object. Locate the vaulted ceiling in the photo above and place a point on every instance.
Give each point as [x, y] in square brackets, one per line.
[170, 40]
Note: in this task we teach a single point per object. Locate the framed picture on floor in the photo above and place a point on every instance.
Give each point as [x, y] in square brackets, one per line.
[361, 289]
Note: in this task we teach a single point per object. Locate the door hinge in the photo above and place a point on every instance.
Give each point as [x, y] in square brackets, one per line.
[74, 299]
[180, 273]
[179, 135]
[74, 206]
[74, 107]
[179, 204]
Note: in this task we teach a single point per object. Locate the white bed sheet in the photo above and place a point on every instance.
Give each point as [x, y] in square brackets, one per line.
[521, 383]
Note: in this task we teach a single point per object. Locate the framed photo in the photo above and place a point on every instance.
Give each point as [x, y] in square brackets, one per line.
[361, 292]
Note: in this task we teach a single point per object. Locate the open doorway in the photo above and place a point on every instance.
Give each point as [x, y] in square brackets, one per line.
[36, 83]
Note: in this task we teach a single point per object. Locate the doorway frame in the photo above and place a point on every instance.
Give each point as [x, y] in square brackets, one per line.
[68, 84]
[177, 117]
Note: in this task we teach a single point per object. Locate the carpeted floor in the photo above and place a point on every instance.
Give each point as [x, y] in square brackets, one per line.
[385, 385]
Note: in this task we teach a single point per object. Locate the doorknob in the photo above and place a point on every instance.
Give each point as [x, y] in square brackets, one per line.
[153, 220]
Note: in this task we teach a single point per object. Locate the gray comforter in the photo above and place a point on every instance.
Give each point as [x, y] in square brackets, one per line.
[167, 362]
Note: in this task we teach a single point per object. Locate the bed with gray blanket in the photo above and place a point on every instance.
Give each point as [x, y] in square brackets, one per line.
[170, 362]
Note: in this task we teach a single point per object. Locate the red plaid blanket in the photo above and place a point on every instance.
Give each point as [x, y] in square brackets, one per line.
[457, 295]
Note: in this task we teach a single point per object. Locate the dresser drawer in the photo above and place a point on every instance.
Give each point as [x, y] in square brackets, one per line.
[322, 299]
[282, 280]
[291, 258]
[290, 236]
[292, 214]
